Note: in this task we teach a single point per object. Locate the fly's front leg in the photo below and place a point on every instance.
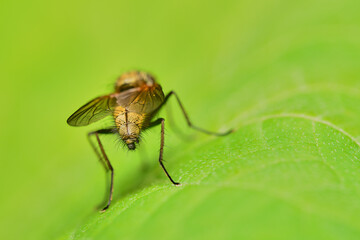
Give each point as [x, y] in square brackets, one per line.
[162, 143]
[104, 160]
[188, 119]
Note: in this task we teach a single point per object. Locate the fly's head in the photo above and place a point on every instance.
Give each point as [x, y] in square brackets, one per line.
[131, 143]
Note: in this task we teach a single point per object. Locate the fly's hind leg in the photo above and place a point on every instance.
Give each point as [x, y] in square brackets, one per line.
[162, 143]
[104, 159]
[188, 119]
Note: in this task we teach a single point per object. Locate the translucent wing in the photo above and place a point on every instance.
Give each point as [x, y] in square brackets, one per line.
[141, 99]
[93, 111]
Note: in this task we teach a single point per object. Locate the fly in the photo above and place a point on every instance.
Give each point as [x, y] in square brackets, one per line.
[136, 100]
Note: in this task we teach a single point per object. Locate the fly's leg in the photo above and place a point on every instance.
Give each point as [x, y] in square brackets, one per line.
[173, 125]
[188, 119]
[104, 160]
[162, 143]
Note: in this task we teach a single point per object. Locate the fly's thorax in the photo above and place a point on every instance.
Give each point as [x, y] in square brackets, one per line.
[125, 117]
[129, 125]
[129, 133]
[134, 79]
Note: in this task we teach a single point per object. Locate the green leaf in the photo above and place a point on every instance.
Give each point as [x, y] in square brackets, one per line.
[284, 74]
[281, 176]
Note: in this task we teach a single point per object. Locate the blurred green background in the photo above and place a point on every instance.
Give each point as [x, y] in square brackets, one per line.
[284, 73]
